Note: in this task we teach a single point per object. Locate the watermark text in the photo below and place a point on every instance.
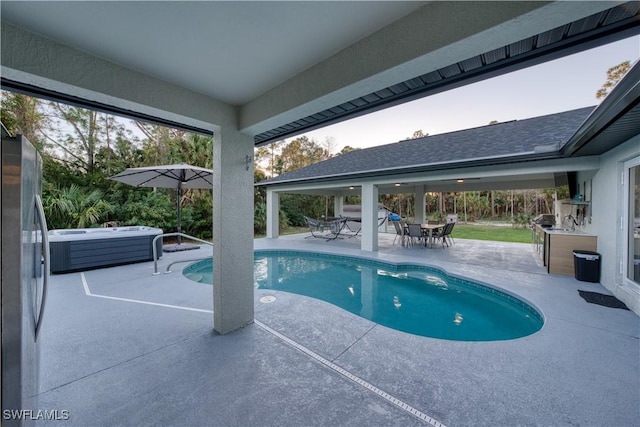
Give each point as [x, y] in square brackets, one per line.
[35, 415]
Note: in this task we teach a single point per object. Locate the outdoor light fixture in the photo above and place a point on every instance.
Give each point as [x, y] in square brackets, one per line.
[351, 188]
[248, 160]
[460, 179]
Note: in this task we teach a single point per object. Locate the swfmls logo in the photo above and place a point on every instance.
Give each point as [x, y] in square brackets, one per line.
[39, 415]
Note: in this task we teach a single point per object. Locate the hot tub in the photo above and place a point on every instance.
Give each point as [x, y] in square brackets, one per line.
[86, 248]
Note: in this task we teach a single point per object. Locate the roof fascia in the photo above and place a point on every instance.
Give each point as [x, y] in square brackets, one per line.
[624, 96]
[543, 154]
[575, 164]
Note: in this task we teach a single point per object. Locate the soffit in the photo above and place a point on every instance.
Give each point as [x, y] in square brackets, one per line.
[234, 51]
[604, 27]
[230, 51]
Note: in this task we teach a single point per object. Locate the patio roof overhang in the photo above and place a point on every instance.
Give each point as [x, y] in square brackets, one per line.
[510, 175]
[610, 124]
[105, 55]
[595, 30]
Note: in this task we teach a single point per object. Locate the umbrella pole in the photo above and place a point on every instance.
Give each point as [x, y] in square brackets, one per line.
[179, 227]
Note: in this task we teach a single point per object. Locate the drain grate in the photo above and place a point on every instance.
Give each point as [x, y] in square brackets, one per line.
[267, 299]
[327, 363]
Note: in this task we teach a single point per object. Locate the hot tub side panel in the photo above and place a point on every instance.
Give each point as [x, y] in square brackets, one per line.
[79, 255]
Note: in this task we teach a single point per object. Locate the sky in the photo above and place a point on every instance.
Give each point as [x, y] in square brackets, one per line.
[556, 86]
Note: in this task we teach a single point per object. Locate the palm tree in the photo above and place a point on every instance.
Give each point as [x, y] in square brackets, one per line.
[73, 207]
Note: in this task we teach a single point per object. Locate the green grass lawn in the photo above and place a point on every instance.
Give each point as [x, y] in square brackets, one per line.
[492, 232]
[464, 231]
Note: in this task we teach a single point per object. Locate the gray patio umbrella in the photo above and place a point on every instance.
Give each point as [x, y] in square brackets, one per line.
[168, 176]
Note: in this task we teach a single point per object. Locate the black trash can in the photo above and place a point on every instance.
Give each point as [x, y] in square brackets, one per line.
[586, 265]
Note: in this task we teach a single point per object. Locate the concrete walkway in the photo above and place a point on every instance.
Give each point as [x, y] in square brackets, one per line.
[123, 347]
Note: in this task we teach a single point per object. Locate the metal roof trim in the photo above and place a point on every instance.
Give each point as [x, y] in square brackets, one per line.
[622, 98]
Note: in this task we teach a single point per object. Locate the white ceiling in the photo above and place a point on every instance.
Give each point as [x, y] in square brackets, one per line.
[231, 51]
[272, 68]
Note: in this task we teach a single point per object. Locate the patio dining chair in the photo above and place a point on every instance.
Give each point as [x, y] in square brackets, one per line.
[448, 234]
[415, 234]
[441, 235]
[400, 231]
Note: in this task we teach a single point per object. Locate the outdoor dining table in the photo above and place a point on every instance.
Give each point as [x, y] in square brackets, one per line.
[428, 230]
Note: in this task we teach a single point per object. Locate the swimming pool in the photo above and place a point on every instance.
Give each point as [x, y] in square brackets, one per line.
[410, 298]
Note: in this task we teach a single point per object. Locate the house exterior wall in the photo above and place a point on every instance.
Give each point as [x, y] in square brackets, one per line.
[608, 214]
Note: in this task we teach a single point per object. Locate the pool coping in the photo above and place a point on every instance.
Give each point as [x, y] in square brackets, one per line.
[496, 290]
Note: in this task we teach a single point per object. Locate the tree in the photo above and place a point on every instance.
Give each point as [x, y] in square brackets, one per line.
[299, 153]
[22, 114]
[159, 144]
[346, 149]
[418, 134]
[266, 158]
[329, 144]
[73, 207]
[78, 136]
[614, 75]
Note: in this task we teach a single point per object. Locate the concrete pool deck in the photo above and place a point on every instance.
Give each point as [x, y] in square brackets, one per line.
[123, 347]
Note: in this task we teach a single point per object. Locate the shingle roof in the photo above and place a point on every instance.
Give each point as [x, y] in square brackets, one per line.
[544, 134]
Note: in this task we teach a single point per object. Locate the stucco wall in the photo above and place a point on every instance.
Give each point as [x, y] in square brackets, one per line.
[608, 209]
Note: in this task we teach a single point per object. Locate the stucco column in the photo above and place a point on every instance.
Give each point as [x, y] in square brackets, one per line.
[273, 214]
[338, 203]
[369, 241]
[232, 230]
[419, 202]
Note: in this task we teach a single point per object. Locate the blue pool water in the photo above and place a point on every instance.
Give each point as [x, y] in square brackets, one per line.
[414, 299]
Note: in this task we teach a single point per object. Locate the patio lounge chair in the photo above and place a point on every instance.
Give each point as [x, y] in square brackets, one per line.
[351, 227]
[328, 230]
